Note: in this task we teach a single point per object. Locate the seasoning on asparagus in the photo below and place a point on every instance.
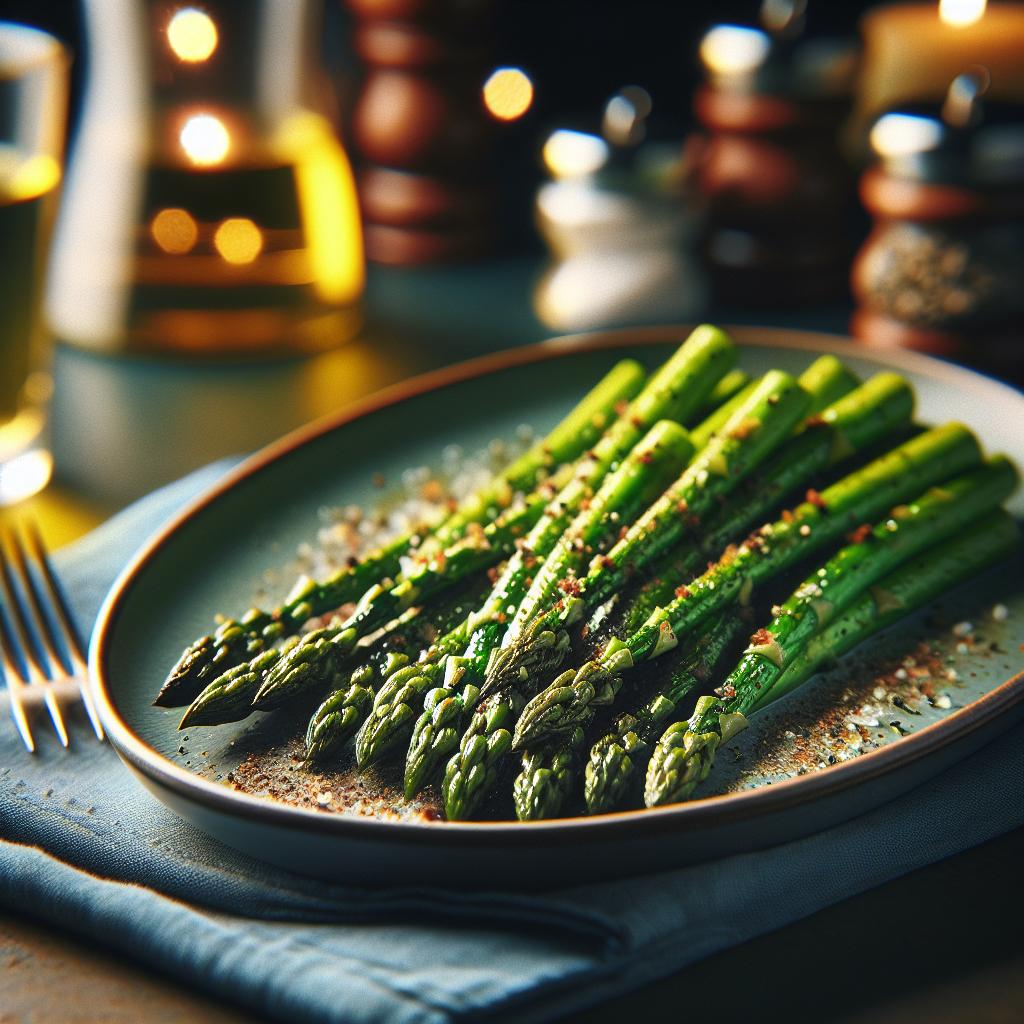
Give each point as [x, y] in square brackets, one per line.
[685, 754]
[862, 495]
[237, 641]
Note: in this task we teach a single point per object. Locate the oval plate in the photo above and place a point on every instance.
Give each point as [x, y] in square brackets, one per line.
[780, 783]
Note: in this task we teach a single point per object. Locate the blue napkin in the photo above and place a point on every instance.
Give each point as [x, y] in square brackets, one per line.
[85, 847]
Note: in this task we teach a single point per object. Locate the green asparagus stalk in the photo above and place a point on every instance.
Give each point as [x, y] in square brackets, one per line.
[238, 641]
[644, 472]
[685, 753]
[755, 429]
[989, 541]
[725, 390]
[343, 711]
[672, 393]
[544, 784]
[616, 760]
[863, 495]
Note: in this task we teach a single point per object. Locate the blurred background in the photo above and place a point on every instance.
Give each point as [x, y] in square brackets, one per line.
[272, 208]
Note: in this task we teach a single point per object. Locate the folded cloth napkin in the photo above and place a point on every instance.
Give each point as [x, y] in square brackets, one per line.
[85, 847]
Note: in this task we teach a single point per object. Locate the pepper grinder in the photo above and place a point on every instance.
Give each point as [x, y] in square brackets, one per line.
[777, 190]
[943, 267]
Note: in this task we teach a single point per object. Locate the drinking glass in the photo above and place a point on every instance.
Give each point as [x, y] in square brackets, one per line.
[33, 107]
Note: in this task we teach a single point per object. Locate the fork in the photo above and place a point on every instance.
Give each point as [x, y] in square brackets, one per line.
[42, 654]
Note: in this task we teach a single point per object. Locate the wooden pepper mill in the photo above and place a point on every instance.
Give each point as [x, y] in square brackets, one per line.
[777, 190]
[420, 129]
[943, 268]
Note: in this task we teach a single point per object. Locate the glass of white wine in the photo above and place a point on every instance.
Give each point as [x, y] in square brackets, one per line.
[33, 108]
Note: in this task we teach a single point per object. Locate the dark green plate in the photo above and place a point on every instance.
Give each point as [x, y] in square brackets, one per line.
[215, 555]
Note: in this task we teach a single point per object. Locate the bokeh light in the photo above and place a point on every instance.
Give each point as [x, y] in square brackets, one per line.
[569, 154]
[734, 49]
[961, 12]
[205, 140]
[174, 230]
[238, 240]
[905, 134]
[508, 93]
[192, 35]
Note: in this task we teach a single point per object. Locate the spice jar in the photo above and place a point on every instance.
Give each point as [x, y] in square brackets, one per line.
[777, 190]
[943, 267]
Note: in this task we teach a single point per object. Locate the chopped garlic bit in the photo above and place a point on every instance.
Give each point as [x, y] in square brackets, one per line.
[963, 629]
[1000, 613]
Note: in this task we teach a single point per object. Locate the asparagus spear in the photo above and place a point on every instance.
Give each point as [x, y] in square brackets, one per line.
[755, 429]
[727, 388]
[237, 641]
[684, 755]
[545, 782]
[614, 759]
[643, 473]
[671, 393]
[989, 541]
[775, 547]
[342, 712]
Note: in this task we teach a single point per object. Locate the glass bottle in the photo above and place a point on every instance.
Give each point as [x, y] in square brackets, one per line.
[209, 207]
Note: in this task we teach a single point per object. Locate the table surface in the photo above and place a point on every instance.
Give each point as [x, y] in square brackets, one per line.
[952, 949]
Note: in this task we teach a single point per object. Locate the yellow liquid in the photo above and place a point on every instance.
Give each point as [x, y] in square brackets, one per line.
[259, 254]
[27, 199]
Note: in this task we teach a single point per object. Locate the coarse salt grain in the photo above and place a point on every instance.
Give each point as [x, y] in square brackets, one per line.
[962, 648]
[963, 629]
[1000, 613]
[900, 673]
[323, 799]
[951, 675]
[879, 691]
[942, 701]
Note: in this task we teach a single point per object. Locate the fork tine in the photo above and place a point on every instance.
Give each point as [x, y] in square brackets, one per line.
[36, 664]
[15, 685]
[69, 631]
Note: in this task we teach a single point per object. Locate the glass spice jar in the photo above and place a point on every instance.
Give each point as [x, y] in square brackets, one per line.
[943, 266]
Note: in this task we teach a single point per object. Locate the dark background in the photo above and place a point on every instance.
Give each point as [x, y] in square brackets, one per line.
[578, 52]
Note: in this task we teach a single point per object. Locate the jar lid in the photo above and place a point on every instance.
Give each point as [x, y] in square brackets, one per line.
[775, 58]
[963, 141]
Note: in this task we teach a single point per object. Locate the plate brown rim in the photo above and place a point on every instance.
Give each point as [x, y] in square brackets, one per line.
[694, 815]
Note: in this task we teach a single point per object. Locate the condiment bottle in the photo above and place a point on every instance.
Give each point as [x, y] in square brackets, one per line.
[943, 268]
[776, 187]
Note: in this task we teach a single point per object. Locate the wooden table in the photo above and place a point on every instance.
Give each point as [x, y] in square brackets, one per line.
[943, 944]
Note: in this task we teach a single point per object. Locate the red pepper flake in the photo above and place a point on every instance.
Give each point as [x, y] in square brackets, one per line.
[745, 428]
[432, 491]
[816, 420]
[693, 522]
[585, 504]
[646, 458]
[378, 480]
[528, 581]
[606, 562]
[682, 592]
[681, 507]
[860, 534]
[492, 574]
[637, 422]
[621, 406]
[502, 618]
[787, 516]
[815, 498]
[569, 585]
[727, 691]
[451, 504]
[761, 637]
[623, 530]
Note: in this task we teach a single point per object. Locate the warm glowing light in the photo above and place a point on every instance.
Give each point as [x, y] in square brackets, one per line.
[734, 50]
[174, 230]
[26, 178]
[327, 196]
[205, 140]
[24, 476]
[508, 93]
[238, 240]
[959, 13]
[905, 135]
[192, 35]
[569, 154]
